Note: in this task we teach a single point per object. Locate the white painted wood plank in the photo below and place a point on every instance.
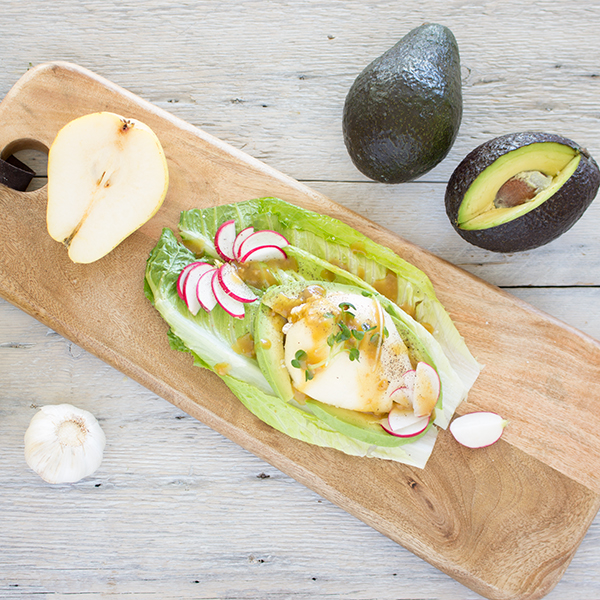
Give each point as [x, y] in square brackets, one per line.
[176, 510]
[271, 77]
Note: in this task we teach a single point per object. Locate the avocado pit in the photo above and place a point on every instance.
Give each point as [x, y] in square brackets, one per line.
[521, 188]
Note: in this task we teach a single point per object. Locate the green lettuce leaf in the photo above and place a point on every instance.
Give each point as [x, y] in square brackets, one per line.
[209, 335]
[304, 426]
[356, 259]
[323, 249]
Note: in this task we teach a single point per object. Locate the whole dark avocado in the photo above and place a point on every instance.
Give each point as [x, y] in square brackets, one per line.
[520, 191]
[403, 112]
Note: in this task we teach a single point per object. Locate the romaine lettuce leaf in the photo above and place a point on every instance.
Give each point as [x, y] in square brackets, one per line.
[322, 247]
[209, 335]
[304, 426]
[354, 257]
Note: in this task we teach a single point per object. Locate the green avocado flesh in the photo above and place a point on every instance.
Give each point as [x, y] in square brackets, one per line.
[268, 344]
[479, 210]
[361, 426]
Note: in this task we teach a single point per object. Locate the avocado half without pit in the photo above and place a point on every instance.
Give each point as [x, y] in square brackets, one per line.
[521, 191]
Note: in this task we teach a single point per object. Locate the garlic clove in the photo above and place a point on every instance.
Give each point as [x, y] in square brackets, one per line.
[64, 444]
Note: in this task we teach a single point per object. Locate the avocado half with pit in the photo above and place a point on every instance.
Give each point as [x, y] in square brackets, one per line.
[521, 191]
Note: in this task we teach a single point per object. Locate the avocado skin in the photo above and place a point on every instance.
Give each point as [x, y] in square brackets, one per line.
[541, 225]
[403, 112]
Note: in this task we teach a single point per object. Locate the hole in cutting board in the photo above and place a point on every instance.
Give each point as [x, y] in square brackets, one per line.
[27, 164]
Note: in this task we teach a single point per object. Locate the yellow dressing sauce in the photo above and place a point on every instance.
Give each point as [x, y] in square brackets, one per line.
[244, 345]
[261, 275]
[358, 248]
[222, 368]
[198, 247]
[388, 286]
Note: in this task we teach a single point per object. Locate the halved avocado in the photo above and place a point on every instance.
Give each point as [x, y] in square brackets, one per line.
[521, 191]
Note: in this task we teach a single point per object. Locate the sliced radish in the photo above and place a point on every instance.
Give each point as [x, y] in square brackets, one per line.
[233, 285]
[410, 429]
[182, 277]
[189, 289]
[404, 393]
[427, 389]
[402, 397]
[264, 253]
[478, 429]
[229, 304]
[239, 239]
[204, 292]
[224, 239]
[409, 379]
[259, 239]
[399, 418]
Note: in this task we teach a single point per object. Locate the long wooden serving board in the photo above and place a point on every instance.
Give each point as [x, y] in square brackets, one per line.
[504, 520]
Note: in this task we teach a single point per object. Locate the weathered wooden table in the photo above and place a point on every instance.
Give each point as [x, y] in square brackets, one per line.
[176, 510]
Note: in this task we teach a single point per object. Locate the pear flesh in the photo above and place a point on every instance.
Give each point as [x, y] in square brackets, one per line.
[107, 176]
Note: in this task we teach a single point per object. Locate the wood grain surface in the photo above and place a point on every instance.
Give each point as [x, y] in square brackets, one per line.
[450, 512]
[177, 510]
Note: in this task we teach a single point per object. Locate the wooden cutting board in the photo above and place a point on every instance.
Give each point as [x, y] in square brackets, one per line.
[504, 520]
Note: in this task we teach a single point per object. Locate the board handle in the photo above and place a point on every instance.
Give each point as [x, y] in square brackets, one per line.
[16, 172]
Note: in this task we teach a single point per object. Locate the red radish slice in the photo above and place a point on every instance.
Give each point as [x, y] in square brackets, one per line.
[409, 380]
[478, 429]
[204, 293]
[233, 285]
[239, 239]
[258, 239]
[411, 430]
[182, 277]
[189, 290]
[399, 418]
[427, 389]
[264, 253]
[224, 239]
[402, 396]
[230, 305]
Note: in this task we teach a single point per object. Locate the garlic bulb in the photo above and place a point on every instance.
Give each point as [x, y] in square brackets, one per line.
[64, 444]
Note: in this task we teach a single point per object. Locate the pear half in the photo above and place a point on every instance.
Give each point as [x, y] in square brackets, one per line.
[107, 176]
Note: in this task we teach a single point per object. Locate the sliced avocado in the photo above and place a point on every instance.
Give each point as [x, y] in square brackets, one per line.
[360, 426]
[270, 353]
[403, 112]
[268, 345]
[520, 191]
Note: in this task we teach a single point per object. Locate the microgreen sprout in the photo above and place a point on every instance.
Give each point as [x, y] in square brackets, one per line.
[344, 334]
[354, 354]
[346, 305]
[299, 358]
[300, 362]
